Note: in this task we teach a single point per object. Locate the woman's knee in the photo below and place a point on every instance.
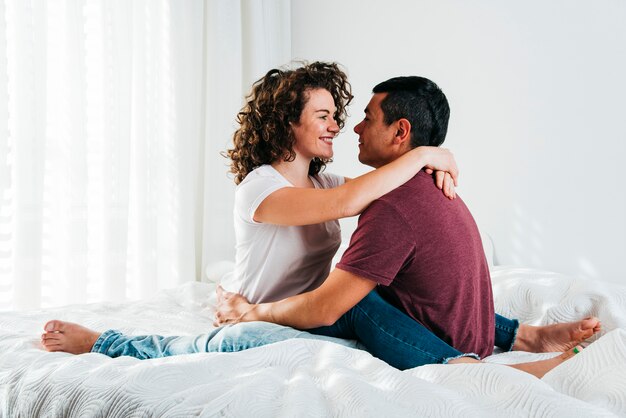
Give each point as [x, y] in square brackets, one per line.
[247, 335]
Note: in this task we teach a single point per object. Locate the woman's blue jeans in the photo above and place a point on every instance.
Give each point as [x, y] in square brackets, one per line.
[380, 328]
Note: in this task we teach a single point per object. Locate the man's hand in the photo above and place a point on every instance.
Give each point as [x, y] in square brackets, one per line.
[231, 307]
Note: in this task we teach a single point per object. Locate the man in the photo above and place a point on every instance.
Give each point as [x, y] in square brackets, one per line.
[414, 253]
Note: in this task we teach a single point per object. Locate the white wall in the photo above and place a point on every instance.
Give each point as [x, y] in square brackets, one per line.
[537, 91]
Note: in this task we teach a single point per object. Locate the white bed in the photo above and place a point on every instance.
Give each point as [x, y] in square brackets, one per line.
[313, 378]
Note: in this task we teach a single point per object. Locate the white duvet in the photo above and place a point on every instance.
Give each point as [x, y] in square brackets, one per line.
[313, 378]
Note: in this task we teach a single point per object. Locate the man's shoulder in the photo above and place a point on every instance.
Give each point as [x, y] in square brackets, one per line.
[416, 186]
[381, 212]
[417, 198]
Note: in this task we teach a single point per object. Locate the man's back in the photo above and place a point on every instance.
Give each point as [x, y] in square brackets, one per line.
[425, 252]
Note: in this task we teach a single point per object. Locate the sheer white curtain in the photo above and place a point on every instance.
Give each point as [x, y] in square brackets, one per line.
[101, 148]
[244, 40]
[113, 114]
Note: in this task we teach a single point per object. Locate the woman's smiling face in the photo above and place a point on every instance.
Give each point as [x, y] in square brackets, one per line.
[316, 129]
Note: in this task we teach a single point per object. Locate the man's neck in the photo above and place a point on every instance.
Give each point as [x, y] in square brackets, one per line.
[389, 159]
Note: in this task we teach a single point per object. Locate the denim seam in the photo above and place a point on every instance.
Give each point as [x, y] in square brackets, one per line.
[512, 330]
[514, 334]
[397, 339]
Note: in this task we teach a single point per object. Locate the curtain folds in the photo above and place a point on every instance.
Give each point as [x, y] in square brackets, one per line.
[244, 39]
[113, 114]
[100, 129]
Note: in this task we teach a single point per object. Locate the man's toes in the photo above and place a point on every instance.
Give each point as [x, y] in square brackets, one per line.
[590, 326]
[586, 334]
[590, 323]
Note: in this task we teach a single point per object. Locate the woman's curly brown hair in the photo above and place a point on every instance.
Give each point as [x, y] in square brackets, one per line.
[276, 100]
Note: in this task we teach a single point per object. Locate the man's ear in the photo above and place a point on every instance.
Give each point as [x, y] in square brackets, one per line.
[403, 131]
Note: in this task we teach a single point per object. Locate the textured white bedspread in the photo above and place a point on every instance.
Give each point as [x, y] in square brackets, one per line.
[313, 378]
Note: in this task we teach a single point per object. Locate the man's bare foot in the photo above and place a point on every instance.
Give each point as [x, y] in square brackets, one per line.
[68, 337]
[536, 368]
[556, 337]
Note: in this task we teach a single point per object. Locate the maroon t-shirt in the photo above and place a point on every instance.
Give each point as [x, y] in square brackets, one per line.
[426, 254]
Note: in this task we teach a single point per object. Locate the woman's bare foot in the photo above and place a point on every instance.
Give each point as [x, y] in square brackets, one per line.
[541, 367]
[536, 368]
[555, 338]
[68, 337]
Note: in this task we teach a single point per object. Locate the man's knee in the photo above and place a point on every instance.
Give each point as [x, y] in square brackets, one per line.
[371, 298]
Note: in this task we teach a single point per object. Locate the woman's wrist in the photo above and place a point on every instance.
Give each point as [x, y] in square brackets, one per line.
[421, 156]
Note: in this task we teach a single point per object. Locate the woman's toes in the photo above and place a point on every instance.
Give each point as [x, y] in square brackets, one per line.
[54, 326]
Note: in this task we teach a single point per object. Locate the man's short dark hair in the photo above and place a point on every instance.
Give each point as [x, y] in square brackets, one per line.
[421, 102]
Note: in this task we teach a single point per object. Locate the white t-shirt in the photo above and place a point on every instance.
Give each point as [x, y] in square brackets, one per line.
[273, 262]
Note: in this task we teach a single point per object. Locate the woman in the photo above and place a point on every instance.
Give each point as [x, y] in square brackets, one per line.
[286, 211]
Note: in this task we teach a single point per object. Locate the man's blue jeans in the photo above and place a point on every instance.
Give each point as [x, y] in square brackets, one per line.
[380, 328]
